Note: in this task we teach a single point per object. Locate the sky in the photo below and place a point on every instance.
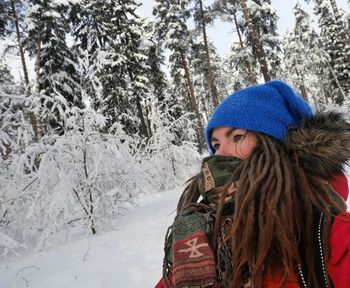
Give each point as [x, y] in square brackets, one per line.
[222, 33]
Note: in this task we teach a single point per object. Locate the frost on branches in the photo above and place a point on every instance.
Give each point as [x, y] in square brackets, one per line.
[80, 182]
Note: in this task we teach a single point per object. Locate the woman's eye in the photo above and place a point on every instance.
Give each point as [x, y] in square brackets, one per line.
[216, 146]
[238, 137]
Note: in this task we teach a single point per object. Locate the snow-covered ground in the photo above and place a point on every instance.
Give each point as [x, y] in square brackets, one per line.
[130, 257]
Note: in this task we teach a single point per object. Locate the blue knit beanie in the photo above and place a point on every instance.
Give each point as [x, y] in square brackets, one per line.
[270, 108]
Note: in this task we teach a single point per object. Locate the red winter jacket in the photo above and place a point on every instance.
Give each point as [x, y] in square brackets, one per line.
[338, 266]
[340, 185]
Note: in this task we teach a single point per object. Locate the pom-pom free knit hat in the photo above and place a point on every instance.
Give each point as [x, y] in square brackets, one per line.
[270, 108]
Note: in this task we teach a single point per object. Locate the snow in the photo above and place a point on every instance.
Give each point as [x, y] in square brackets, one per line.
[130, 256]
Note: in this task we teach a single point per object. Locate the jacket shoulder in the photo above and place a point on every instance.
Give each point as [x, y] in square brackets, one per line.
[339, 251]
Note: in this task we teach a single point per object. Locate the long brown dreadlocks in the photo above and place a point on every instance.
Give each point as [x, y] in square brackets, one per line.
[281, 188]
[273, 212]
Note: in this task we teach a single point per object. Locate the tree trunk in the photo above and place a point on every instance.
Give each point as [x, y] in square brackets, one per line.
[194, 106]
[251, 76]
[37, 64]
[213, 90]
[144, 129]
[335, 9]
[90, 213]
[33, 118]
[345, 36]
[301, 87]
[338, 84]
[2, 19]
[20, 45]
[256, 43]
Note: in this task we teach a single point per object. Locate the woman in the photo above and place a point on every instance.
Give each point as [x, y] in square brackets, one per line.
[269, 216]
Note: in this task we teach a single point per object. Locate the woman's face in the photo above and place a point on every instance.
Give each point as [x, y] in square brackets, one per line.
[228, 141]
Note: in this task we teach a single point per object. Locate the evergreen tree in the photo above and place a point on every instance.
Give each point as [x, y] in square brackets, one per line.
[57, 77]
[5, 75]
[199, 70]
[2, 19]
[202, 18]
[257, 51]
[338, 49]
[5, 19]
[178, 97]
[14, 127]
[240, 64]
[305, 60]
[157, 78]
[236, 62]
[115, 33]
[171, 17]
[264, 20]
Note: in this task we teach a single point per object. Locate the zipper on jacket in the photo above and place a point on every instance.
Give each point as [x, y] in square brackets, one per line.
[302, 276]
[321, 250]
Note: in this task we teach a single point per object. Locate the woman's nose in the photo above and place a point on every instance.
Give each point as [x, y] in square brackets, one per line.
[222, 151]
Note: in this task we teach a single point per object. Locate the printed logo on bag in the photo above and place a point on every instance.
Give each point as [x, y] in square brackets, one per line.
[194, 248]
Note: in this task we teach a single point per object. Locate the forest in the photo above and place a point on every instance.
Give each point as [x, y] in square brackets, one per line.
[116, 103]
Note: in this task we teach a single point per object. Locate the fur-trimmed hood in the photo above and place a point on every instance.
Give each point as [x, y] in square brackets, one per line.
[322, 144]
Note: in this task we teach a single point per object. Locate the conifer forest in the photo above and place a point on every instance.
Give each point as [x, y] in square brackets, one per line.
[111, 104]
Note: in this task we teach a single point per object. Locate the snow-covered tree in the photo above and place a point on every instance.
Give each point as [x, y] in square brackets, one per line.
[203, 17]
[115, 33]
[82, 180]
[236, 62]
[157, 78]
[56, 74]
[257, 53]
[264, 21]
[199, 70]
[337, 46]
[305, 59]
[171, 28]
[15, 128]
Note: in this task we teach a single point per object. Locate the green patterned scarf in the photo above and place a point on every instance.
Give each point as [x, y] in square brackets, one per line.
[188, 249]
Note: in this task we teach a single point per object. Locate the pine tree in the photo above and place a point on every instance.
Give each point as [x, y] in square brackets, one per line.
[305, 59]
[256, 51]
[15, 131]
[239, 62]
[199, 70]
[115, 34]
[57, 77]
[157, 78]
[338, 49]
[11, 26]
[264, 22]
[202, 18]
[236, 62]
[5, 19]
[2, 19]
[5, 75]
[256, 43]
[171, 28]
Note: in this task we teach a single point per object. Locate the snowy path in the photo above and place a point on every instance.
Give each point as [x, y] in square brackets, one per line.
[128, 258]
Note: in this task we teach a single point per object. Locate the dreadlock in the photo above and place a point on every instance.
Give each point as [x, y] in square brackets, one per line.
[190, 194]
[274, 209]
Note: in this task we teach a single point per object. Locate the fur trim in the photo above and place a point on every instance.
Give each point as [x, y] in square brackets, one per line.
[322, 144]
